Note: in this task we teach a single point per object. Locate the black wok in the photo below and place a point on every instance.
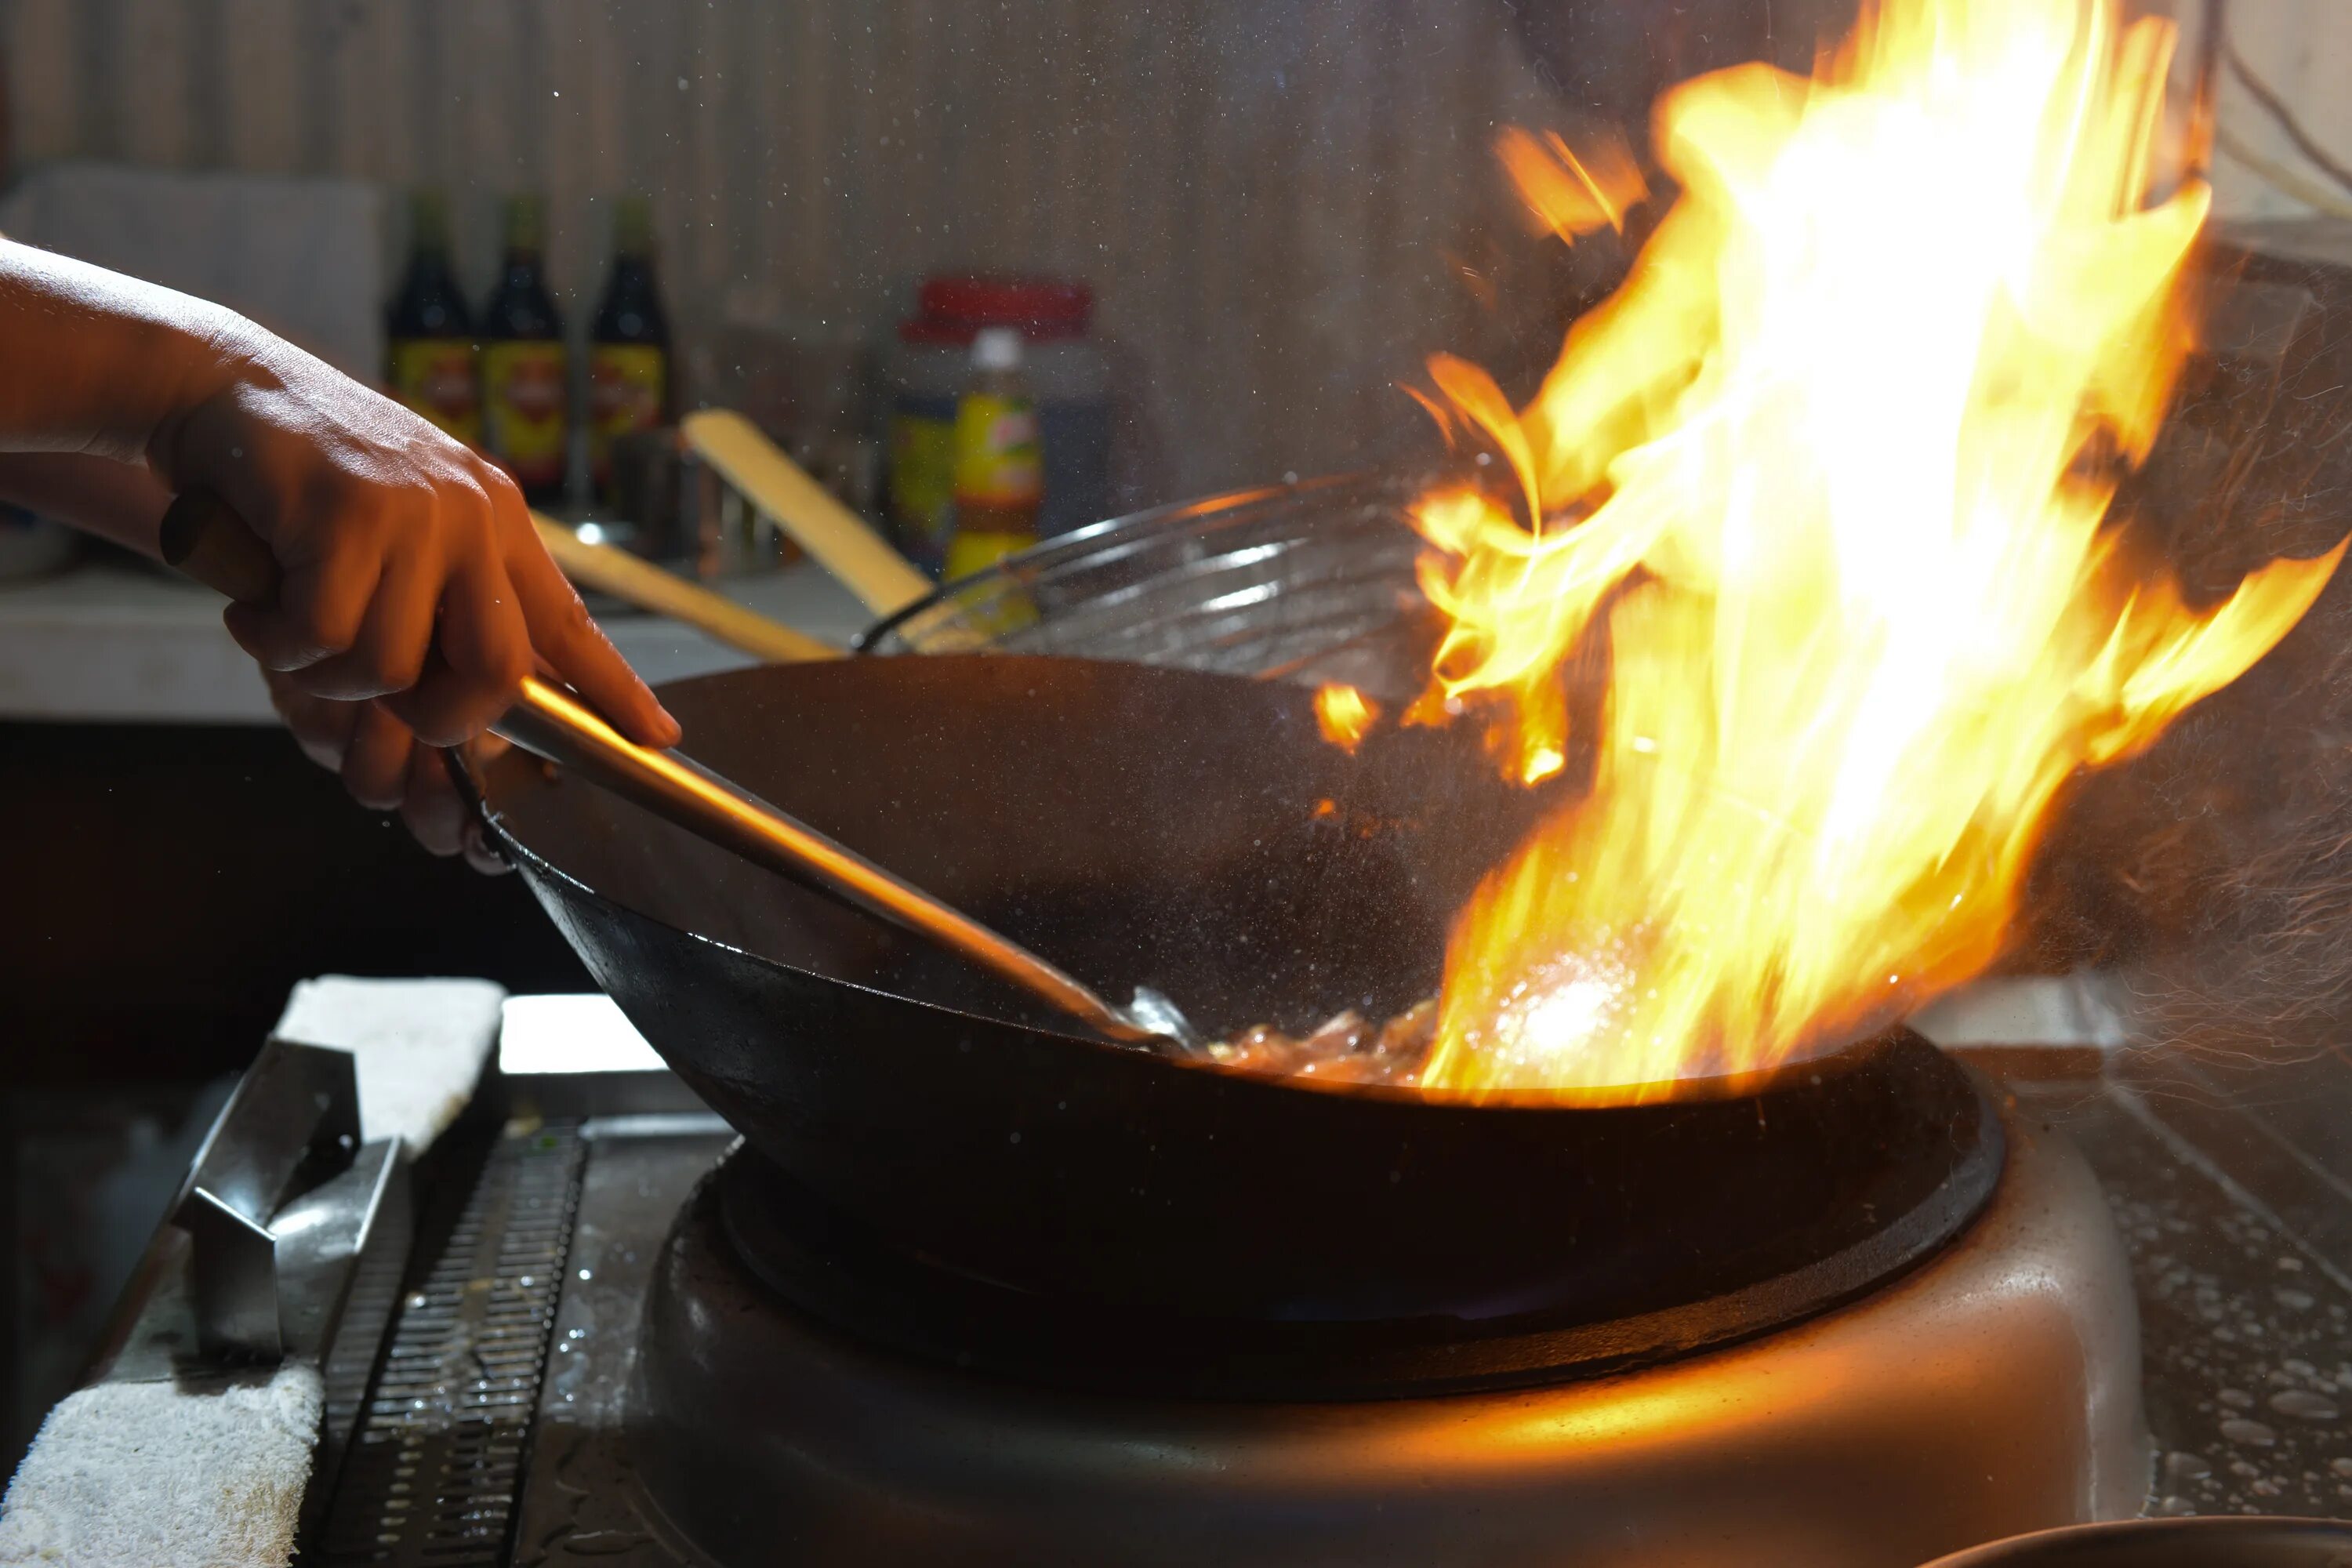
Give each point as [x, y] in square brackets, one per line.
[1142, 825]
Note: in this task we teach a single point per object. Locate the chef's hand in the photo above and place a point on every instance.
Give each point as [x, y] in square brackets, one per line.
[415, 593]
[385, 767]
[412, 570]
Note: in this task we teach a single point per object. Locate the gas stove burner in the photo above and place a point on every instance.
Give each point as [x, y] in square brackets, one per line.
[1873, 1402]
[1521, 1246]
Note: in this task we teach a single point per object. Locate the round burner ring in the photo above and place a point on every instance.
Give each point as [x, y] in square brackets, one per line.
[1646, 1232]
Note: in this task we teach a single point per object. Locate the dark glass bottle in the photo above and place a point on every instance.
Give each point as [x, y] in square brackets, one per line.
[629, 351]
[428, 334]
[526, 399]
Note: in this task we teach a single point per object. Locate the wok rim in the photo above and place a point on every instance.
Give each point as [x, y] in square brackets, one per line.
[2051, 1545]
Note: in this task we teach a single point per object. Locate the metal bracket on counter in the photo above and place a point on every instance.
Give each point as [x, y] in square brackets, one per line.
[285, 1225]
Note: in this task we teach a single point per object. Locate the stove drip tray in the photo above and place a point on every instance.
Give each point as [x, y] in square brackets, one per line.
[1926, 1397]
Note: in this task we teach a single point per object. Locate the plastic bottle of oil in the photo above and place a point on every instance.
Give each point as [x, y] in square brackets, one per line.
[999, 477]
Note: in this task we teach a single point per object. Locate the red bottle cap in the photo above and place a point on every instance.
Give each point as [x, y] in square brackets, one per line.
[955, 306]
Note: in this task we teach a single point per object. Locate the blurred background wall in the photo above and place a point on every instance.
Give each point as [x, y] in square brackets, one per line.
[1282, 205]
[2298, 50]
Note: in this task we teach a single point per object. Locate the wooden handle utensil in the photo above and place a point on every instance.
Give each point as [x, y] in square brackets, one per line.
[859, 559]
[638, 582]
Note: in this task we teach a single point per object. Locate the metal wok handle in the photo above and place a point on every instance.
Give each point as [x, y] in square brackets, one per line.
[203, 538]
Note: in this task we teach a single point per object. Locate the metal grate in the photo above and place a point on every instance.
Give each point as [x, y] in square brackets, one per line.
[433, 1474]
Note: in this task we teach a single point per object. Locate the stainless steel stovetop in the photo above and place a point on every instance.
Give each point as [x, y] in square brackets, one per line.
[493, 1429]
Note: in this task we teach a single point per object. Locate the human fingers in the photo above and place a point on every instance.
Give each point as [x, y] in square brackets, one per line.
[377, 763]
[387, 654]
[322, 728]
[430, 805]
[442, 819]
[484, 652]
[320, 604]
[480, 854]
[575, 646]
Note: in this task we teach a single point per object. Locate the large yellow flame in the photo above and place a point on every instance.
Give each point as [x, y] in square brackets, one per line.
[1831, 471]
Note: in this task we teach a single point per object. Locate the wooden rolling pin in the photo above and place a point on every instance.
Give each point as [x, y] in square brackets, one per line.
[639, 582]
[859, 559]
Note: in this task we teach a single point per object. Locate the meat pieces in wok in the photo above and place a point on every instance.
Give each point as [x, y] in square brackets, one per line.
[1347, 1048]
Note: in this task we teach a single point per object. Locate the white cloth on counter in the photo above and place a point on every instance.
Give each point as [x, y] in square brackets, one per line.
[152, 1475]
[420, 1045]
[175, 1475]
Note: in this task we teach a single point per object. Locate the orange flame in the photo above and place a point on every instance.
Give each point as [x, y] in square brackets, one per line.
[1344, 714]
[1565, 195]
[1829, 476]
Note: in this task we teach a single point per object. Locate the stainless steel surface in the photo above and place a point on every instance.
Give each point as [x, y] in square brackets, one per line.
[283, 1215]
[320, 1235]
[1993, 1390]
[2172, 1543]
[2245, 1309]
[2205, 1251]
[433, 1474]
[232, 1278]
[495, 1435]
[297, 1107]
[347, 1365]
[583, 1501]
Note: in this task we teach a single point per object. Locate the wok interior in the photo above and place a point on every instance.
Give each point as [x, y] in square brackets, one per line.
[1135, 825]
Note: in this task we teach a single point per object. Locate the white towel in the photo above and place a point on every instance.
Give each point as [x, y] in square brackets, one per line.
[159, 1475]
[421, 1045]
[149, 1475]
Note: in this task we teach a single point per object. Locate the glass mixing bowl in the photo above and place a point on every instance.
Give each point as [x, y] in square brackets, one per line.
[1311, 580]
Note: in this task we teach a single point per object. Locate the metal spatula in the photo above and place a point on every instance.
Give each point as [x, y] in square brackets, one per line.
[203, 538]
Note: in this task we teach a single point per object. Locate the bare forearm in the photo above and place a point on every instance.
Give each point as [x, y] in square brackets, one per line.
[120, 501]
[95, 363]
[409, 570]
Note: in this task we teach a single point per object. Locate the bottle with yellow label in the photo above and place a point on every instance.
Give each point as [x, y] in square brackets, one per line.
[526, 399]
[628, 345]
[428, 334]
[999, 476]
